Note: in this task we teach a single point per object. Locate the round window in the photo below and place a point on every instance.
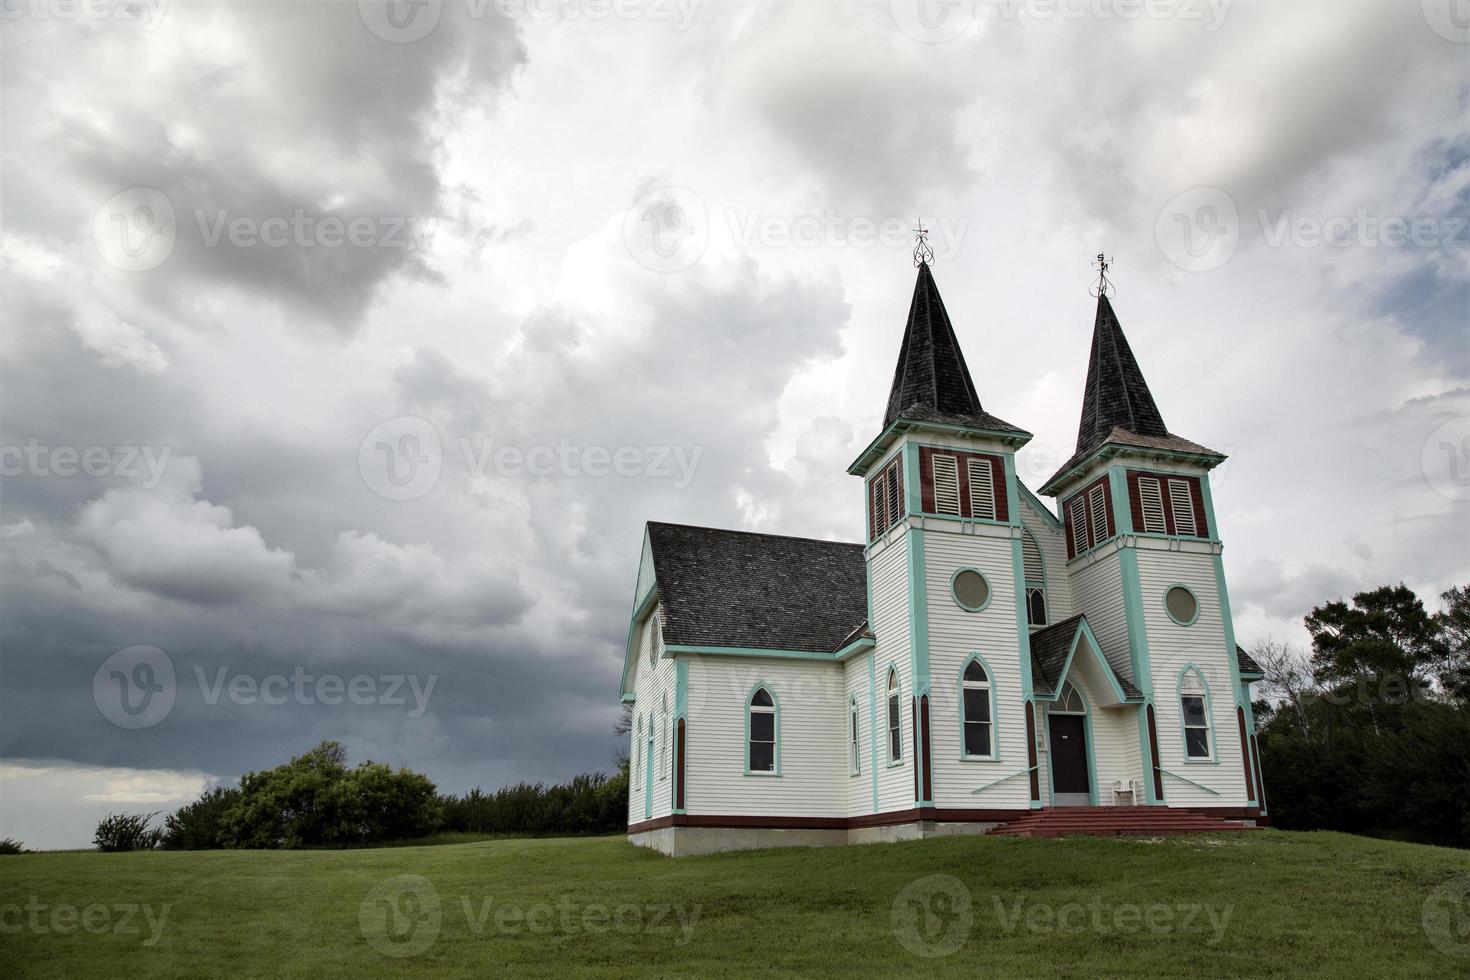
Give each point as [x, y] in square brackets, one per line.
[971, 590]
[1182, 605]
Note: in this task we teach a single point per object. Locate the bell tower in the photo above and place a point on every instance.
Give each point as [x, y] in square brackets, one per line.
[946, 587]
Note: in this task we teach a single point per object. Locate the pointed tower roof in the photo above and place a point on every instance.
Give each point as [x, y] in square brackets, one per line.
[931, 382]
[1117, 406]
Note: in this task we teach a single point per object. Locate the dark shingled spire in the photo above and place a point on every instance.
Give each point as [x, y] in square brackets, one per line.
[1116, 396]
[931, 381]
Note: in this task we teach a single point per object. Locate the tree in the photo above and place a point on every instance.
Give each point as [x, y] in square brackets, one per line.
[1383, 641]
[1454, 624]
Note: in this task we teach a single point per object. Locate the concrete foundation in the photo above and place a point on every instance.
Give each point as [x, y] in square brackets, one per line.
[683, 841]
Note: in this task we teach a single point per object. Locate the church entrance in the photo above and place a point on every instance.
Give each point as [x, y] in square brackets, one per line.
[1070, 784]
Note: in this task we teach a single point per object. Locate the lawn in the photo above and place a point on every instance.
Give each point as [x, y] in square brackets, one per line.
[1266, 903]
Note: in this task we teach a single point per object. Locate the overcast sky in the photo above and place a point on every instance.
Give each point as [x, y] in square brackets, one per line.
[347, 342]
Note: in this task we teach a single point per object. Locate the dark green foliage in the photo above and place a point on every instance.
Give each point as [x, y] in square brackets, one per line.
[127, 832]
[10, 845]
[201, 824]
[316, 801]
[1376, 740]
[591, 803]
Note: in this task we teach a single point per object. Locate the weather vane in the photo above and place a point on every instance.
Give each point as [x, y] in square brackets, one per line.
[923, 253]
[1104, 285]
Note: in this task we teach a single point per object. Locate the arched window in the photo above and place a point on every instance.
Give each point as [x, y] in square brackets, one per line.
[1069, 702]
[761, 732]
[895, 720]
[1194, 714]
[663, 744]
[1035, 571]
[637, 751]
[855, 758]
[978, 718]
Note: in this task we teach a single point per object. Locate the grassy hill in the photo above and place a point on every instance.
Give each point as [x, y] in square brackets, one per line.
[1258, 904]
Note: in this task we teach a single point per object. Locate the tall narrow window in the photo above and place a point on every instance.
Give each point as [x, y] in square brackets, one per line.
[1194, 714]
[946, 472]
[855, 758]
[637, 751]
[1097, 502]
[982, 489]
[895, 720]
[663, 747]
[1181, 503]
[976, 706]
[1035, 572]
[762, 753]
[895, 493]
[1151, 501]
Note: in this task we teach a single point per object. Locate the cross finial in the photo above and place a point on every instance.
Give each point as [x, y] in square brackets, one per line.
[923, 252]
[1104, 285]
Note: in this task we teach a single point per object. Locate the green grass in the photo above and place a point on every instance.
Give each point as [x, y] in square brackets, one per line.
[1283, 904]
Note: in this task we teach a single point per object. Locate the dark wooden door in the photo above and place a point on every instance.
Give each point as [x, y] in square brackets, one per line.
[1068, 755]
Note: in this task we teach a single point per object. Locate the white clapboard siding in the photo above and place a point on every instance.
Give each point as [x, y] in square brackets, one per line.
[1097, 591]
[859, 797]
[1171, 647]
[889, 571]
[652, 687]
[812, 702]
[954, 634]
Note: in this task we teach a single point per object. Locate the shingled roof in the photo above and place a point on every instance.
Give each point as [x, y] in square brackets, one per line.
[1247, 663]
[1117, 406]
[764, 591]
[1049, 649]
[931, 382]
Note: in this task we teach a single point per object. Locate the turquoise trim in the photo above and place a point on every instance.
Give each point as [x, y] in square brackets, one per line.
[1170, 613]
[1227, 623]
[873, 723]
[853, 738]
[990, 681]
[1133, 614]
[686, 648]
[1013, 502]
[1091, 756]
[899, 426]
[681, 713]
[1122, 505]
[648, 777]
[1212, 529]
[640, 610]
[745, 746]
[1023, 628]
[989, 592]
[1214, 756]
[1084, 631]
[913, 481]
[856, 646]
[918, 600]
[1109, 450]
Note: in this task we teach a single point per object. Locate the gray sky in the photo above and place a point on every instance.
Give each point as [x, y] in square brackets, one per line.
[390, 331]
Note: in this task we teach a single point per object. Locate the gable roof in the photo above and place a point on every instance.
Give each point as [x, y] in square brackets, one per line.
[1247, 663]
[931, 382]
[1117, 405]
[1050, 648]
[723, 588]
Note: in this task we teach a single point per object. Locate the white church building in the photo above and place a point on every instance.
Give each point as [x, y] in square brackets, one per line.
[976, 661]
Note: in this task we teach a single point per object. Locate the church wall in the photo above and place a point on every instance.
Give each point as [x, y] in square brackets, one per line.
[955, 634]
[888, 565]
[1053, 544]
[653, 687]
[811, 779]
[1097, 588]
[1172, 646]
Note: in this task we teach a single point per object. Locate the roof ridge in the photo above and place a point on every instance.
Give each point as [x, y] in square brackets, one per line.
[756, 534]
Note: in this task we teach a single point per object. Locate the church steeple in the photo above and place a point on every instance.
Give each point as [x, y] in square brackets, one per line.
[931, 381]
[1117, 395]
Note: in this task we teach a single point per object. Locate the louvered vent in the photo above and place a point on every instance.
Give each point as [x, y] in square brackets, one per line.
[1031, 558]
[1097, 502]
[982, 489]
[1151, 499]
[1079, 526]
[1181, 502]
[946, 484]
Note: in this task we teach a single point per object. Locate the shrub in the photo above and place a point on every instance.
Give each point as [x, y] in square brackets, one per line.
[127, 832]
[10, 845]
[201, 824]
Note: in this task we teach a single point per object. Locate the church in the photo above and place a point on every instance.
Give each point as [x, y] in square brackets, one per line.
[979, 662]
